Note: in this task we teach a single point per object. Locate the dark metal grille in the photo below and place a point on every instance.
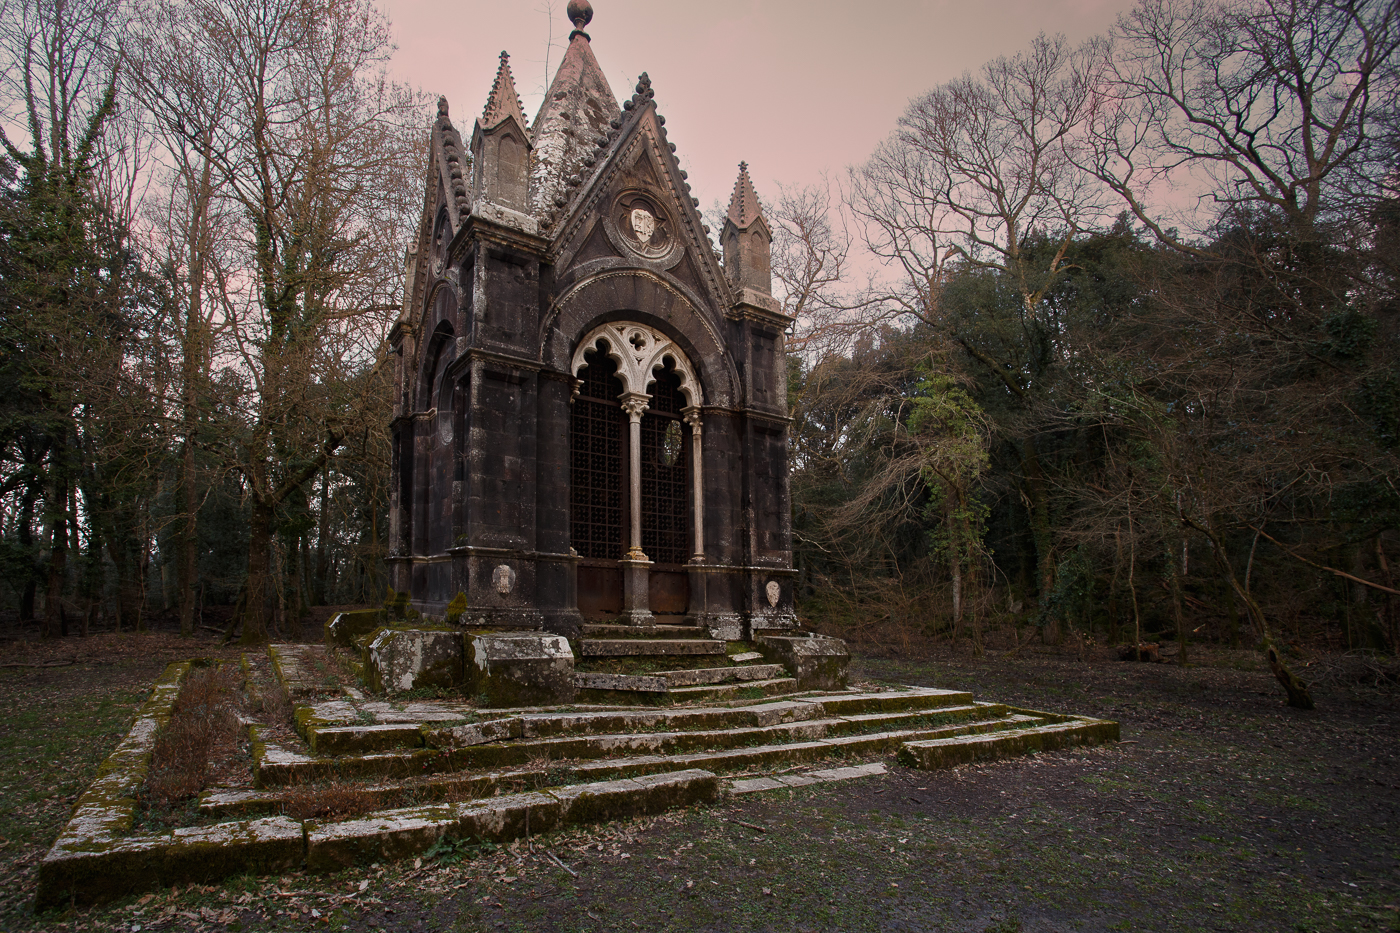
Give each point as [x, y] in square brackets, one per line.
[596, 462]
[665, 485]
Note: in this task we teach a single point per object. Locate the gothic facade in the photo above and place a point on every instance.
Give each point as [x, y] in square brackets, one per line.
[590, 419]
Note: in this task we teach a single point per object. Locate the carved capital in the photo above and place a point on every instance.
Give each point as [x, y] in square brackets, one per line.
[634, 403]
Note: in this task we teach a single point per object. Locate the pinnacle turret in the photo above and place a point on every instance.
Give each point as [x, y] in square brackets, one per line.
[503, 102]
[744, 208]
[746, 238]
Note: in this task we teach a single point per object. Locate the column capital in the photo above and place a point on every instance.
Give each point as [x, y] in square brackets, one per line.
[634, 403]
[691, 414]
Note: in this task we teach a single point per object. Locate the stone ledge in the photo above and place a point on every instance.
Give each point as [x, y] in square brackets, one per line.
[959, 750]
[394, 834]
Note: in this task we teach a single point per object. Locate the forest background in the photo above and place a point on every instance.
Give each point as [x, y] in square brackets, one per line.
[1100, 343]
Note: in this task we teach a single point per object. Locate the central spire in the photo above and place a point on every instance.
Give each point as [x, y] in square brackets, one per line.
[576, 111]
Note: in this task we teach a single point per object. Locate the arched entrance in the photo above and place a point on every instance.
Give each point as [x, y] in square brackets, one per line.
[634, 444]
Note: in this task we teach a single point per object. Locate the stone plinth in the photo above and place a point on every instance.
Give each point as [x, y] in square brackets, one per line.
[398, 660]
[816, 661]
[520, 668]
[345, 628]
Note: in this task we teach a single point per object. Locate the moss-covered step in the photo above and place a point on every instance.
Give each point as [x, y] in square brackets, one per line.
[603, 630]
[949, 752]
[656, 647]
[402, 833]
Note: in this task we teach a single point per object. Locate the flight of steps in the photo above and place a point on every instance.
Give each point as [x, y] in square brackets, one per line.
[371, 747]
[669, 664]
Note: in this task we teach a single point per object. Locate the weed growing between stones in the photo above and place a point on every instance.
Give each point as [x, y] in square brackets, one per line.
[203, 728]
[330, 800]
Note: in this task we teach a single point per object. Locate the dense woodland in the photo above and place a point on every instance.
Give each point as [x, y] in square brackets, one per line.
[1100, 343]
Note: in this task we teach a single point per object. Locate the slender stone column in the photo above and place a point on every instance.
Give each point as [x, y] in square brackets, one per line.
[634, 403]
[697, 480]
[636, 566]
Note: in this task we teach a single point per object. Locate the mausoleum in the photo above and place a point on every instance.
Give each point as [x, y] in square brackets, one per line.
[590, 419]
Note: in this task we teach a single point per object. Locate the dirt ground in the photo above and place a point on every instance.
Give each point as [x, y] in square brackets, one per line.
[1222, 809]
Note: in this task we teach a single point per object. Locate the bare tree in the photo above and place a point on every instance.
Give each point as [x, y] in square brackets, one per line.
[979, 169]
[315, 166]
[1253, 105]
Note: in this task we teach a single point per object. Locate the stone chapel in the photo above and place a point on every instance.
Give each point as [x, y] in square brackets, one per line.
[590, 419]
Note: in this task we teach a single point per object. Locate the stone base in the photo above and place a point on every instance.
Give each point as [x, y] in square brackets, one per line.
[346, 628]
[520, 669]
[510, 617]
[815, 661]
[723, 626]
[398, 660]
[774, 622]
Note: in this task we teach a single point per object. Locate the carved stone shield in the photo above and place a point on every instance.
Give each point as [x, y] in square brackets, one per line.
[643, 224]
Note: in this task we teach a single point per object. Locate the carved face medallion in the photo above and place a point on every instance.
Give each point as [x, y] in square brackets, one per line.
[643, 225]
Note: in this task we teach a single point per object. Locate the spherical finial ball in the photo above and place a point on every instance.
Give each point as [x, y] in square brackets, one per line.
[580, 13]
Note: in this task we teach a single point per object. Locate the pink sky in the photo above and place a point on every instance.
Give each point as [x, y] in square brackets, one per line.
[794, 89]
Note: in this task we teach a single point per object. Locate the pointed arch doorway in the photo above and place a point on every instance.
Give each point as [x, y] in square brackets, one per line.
[635, 474]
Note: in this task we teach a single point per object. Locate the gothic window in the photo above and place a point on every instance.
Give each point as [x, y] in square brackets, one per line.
[597, 465]
[665, 483]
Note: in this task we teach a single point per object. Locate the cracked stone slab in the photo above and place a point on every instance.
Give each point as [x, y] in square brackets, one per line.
[822, 776]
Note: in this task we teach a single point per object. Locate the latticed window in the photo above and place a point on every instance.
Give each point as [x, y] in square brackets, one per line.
[665, 483]
[597, 464]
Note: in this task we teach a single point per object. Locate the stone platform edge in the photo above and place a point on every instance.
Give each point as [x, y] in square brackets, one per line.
[98, 858]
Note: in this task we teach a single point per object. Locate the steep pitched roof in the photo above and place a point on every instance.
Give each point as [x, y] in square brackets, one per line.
[636, 154]
[744, 208]
[503, 102]
[577, 110]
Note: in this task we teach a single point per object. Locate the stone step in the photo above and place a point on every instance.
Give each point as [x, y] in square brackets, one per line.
[951, 751]
[599, 630]
[276, 766]
[403, 833]
[649, 647]
[834, 730]
[324, 725]
[892, 700]
[719, 675]
[740, 786]
[791, 753]
[664, 681]
[357, 740]
[778, 686]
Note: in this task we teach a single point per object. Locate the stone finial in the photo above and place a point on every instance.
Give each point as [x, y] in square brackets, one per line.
[442, 108]
[744, 208]
[580, 13]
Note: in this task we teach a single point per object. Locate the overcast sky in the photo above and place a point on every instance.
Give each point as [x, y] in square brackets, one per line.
[793, 88]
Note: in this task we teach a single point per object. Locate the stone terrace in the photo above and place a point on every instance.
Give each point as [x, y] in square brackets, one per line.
[425, 770]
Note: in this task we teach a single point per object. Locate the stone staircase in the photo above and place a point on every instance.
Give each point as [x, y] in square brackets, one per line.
[623, 664]
[415, 753]
[420, 771]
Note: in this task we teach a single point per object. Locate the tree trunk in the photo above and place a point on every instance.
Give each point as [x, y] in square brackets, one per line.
[323, 531]
[26, 540]
[188, 557]
[57, 507]
[1113, 587]
[1389, 604]
[259, 554]
[1297, 691]
[1177, 615]
[1039, 510]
